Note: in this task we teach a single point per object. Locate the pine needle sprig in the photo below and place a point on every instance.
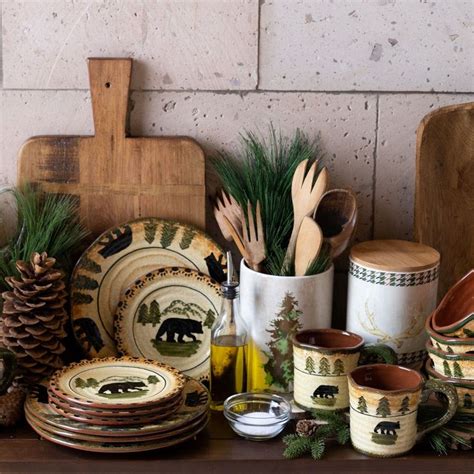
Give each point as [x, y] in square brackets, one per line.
[46, 223]
[335, 427]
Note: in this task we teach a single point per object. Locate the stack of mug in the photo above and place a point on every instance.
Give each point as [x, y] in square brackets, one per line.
[383, 398]
[451, 344]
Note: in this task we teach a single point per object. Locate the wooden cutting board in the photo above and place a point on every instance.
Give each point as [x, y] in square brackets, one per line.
[116, 177]
[444, 202]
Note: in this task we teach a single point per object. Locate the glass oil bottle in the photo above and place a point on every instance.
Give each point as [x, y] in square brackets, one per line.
[228, 345]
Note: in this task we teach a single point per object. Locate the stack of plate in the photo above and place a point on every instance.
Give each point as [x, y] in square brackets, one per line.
[118, 405]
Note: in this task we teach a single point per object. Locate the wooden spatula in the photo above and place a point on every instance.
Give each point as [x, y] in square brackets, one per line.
[308, 245]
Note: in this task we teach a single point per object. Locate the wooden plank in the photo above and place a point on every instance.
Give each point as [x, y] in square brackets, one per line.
[116, 177]
[218, 450]
[444, 201]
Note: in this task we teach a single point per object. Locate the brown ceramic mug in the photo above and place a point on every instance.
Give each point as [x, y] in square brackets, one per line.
[322, 360]
[384, 402]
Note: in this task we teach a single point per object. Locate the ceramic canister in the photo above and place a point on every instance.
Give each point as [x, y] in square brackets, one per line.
[384, 402]
[274, 308]
[392, 289]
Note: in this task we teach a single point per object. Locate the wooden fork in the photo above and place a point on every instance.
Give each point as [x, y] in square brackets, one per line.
[305, 198]
[231, 209]
[253, 237]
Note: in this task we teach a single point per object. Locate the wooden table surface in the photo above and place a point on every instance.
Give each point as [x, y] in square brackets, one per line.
[216, 450]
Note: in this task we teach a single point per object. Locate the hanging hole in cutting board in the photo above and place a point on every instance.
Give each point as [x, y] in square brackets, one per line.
[107, 84]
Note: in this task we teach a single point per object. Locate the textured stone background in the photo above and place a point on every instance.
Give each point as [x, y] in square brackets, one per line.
[362, 73]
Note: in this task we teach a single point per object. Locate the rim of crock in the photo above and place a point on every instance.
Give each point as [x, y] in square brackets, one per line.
[305, 345]
[266, 275]
[386, 367]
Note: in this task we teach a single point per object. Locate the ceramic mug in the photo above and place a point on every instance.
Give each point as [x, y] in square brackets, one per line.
[8, 367]
[384, 402]
[322, 360]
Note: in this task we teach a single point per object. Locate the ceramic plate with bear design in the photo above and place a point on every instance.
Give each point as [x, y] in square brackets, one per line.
[167, 315]
[117, 382]
[124, 447]
[118, 258]
[195, 403]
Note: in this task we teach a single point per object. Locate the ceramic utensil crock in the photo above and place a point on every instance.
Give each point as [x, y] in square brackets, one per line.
[455, 314]
[392, 289]
[273, 309]
[322, 360]
[384, 401]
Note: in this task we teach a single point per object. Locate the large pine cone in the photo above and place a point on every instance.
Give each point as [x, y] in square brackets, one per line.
[34, 317]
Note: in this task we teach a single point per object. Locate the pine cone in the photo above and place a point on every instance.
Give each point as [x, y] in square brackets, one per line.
[306, 428]
[11, 406]
[34, 317]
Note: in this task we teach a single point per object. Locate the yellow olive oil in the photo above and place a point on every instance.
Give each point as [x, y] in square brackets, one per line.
[228, 368]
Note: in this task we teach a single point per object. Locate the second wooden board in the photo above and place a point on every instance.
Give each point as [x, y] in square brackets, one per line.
[444, 204]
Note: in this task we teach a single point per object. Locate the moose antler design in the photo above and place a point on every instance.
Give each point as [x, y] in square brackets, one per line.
[414, 327]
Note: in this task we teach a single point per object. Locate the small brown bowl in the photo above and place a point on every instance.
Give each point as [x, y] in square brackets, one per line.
[459, 366]
[453, 345]
[455, 314]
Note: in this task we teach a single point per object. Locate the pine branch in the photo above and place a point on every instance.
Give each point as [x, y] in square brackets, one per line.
[46, 223]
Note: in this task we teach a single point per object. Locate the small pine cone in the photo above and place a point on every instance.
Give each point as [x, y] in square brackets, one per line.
[306, 428]
[11, 406]
[34, 318]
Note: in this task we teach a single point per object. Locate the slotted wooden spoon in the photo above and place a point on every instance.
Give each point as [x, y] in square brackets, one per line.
[308, 245]
[305, 198]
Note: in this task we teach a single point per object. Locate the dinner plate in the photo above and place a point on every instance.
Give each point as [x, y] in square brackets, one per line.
[195, 403]
[117, 382]
[109, 439]
[118, 258]
[123, 447]
[167, 315]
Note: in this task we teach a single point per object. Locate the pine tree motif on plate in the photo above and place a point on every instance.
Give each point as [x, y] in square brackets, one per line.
[187, 237]
[168, 233]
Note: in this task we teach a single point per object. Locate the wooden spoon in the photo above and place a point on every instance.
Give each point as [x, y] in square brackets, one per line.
[305, 198]
[336, 214]
[308, 245]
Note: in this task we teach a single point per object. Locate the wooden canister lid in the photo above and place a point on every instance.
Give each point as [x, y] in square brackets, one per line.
[394, 255]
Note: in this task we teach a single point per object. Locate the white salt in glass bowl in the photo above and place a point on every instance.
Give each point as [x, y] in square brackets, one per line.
[257, 416]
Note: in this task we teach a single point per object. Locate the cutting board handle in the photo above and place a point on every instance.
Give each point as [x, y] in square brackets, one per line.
[110, 83]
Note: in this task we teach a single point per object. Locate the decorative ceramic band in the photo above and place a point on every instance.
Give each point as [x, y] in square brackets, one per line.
[393, 279]
[409, 358]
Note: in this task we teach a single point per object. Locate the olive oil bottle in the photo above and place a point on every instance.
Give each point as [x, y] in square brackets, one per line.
[228, 345]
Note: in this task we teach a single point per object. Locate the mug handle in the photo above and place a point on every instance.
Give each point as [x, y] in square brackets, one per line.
[382, 350]
[433, 385]
[9, 366]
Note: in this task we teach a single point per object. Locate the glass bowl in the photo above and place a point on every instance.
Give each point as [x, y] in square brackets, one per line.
[257, 416]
